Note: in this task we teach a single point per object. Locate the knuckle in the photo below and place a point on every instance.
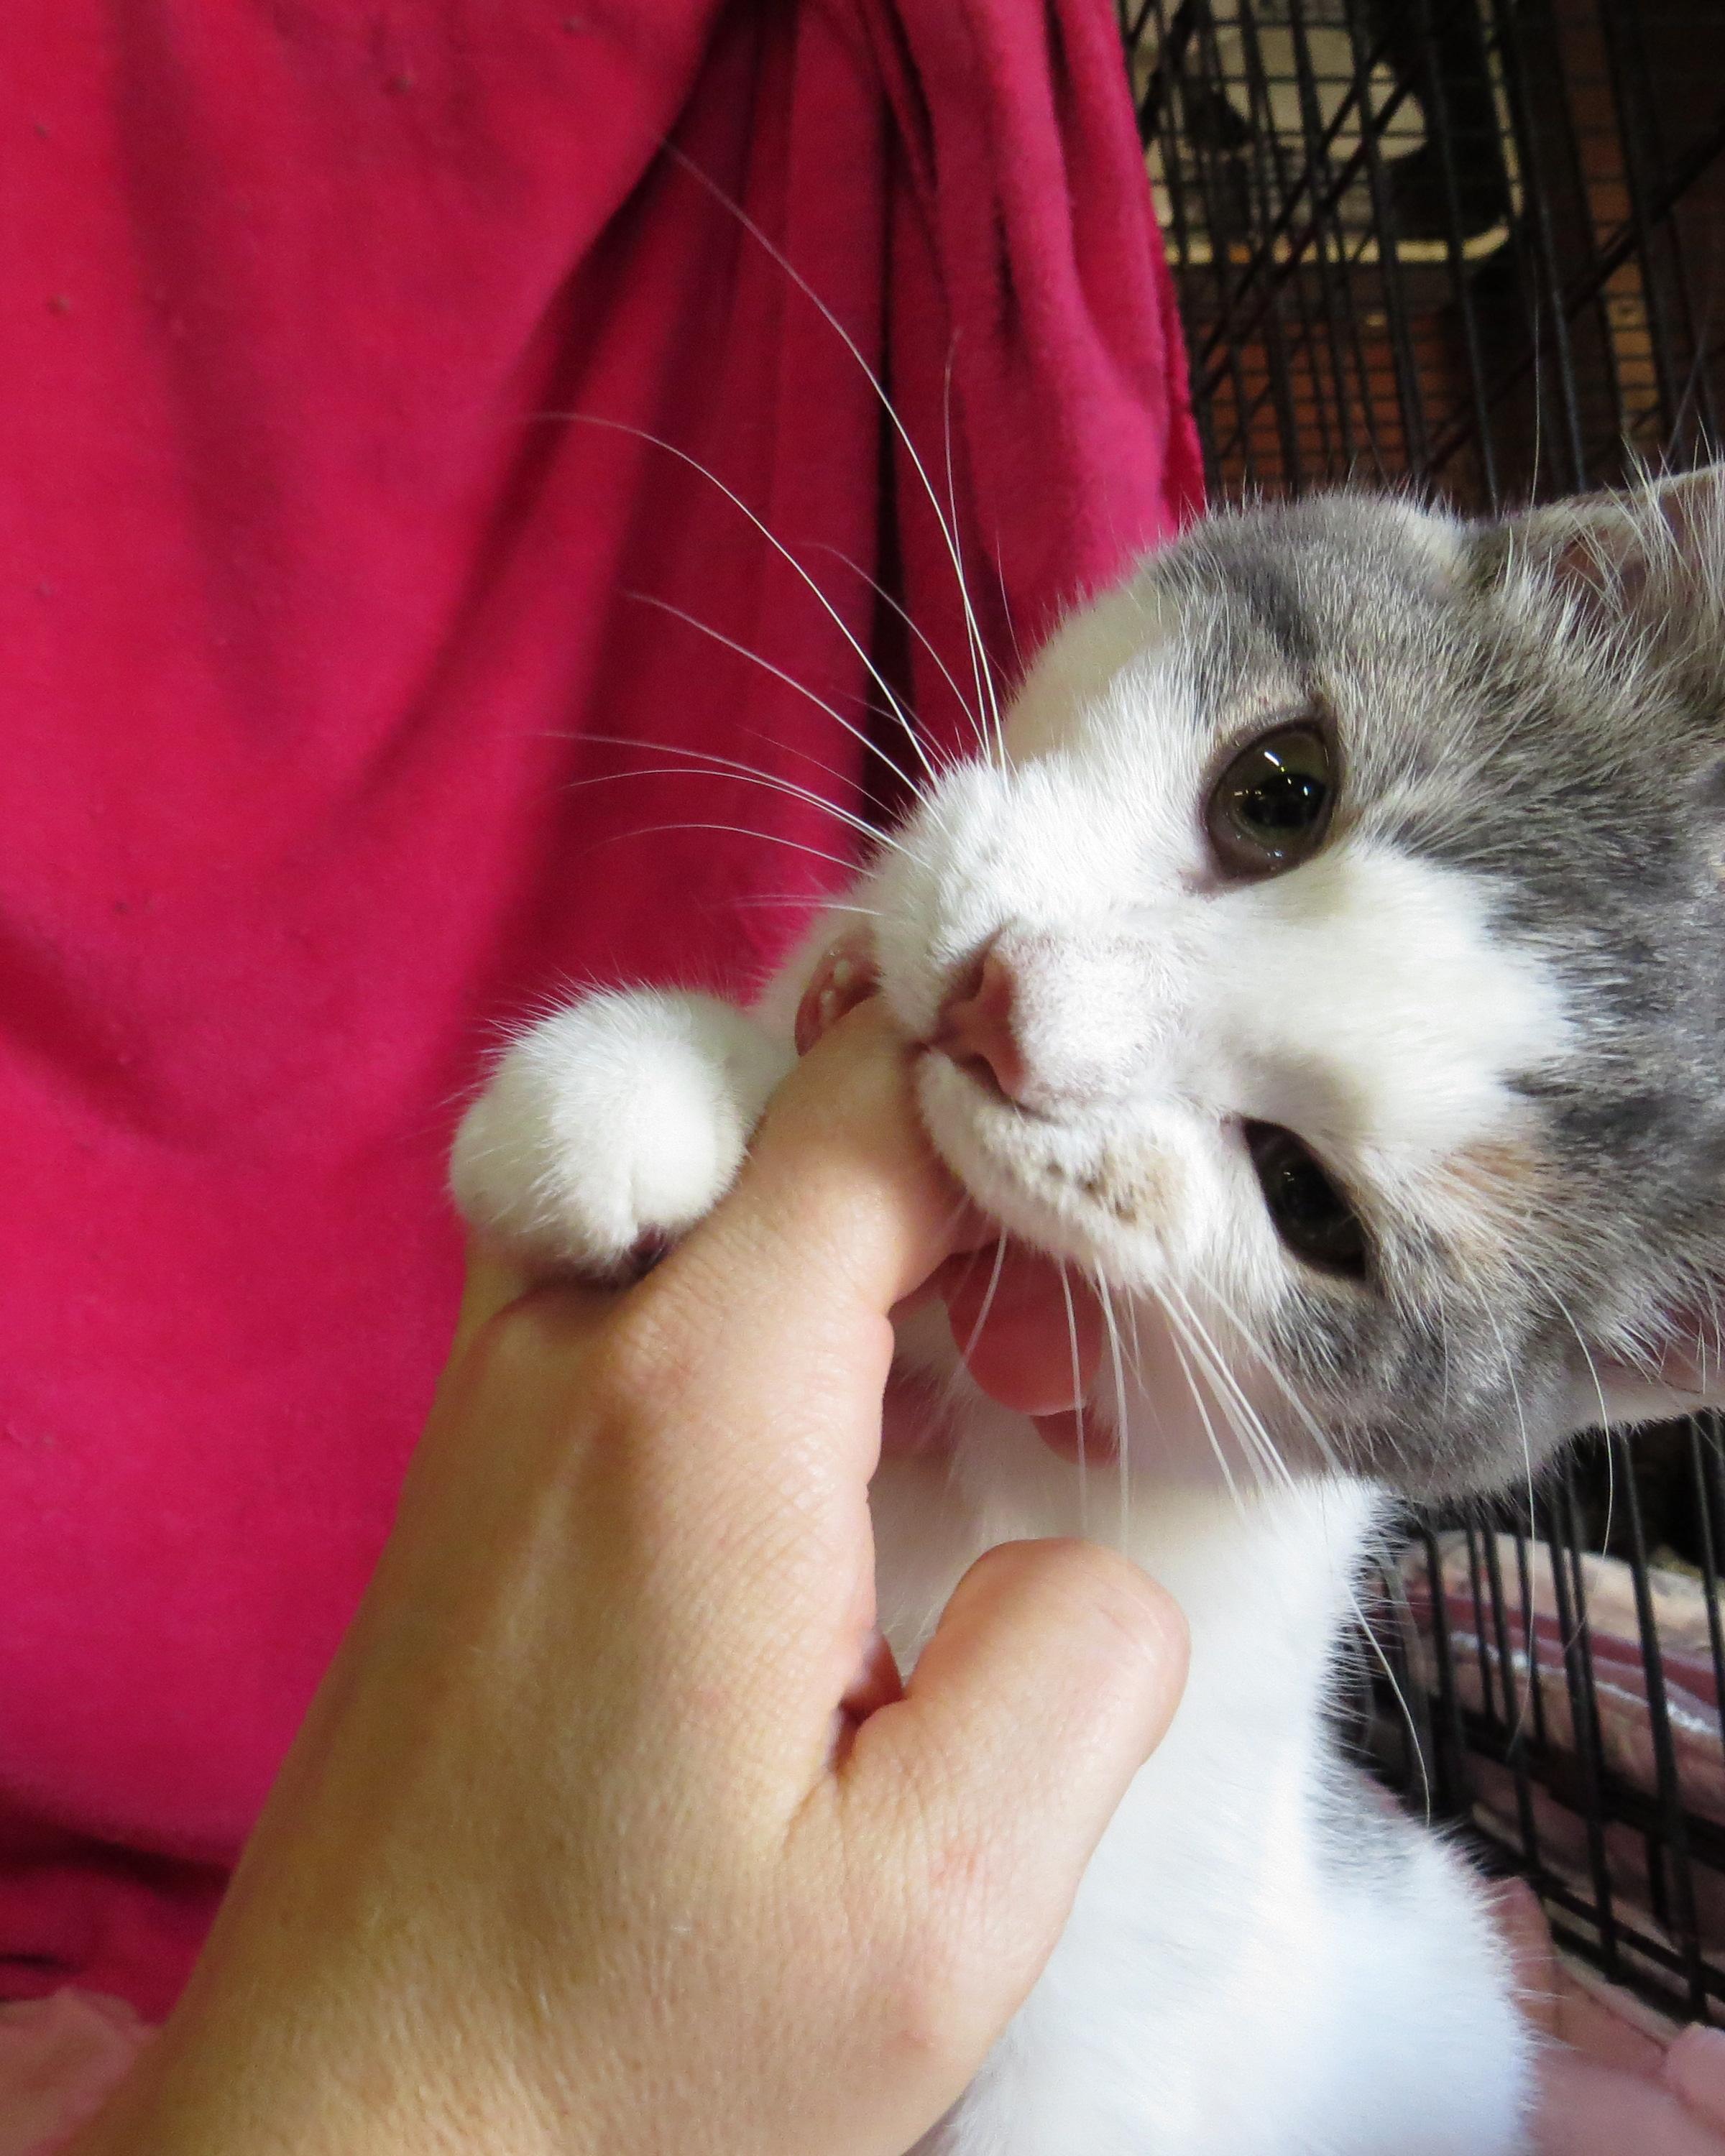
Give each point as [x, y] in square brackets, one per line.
[953, 1982]
[923, 2002]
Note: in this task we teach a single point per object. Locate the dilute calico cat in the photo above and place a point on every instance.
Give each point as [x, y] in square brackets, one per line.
[1332, 964]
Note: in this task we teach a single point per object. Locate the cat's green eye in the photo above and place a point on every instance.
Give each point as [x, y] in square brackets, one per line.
[1306, 1209]
[1271, 806]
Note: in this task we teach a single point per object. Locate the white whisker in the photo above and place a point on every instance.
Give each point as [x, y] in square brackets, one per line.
[778, 546]
[1123, 1454]
[916, 631]
[721, 767]
[1180, 1341]
[739, 831]
[1077, 1399]
[982, 1316]
[873, 381]
[790, 680]
[979, 654]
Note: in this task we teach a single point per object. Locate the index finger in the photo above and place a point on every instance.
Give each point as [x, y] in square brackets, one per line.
[768, 1338]
[840, 1211]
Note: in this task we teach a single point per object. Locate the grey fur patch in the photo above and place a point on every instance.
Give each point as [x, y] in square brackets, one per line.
[1540, 706]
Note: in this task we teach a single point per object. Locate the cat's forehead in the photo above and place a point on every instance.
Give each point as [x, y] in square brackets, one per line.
[1341, 604]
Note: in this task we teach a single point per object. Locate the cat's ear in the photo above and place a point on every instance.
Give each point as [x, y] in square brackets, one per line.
[1682, 1374]
[1662, 543]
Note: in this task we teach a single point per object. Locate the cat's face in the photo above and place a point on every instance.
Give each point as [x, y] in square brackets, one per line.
[1335, 966]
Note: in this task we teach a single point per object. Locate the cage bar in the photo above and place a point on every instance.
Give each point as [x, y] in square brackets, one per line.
[1471, 247]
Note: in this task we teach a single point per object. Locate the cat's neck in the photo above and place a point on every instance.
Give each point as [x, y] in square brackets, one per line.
[1267, 1580]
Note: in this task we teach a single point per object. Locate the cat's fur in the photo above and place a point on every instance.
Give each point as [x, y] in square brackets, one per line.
[1494, 1004]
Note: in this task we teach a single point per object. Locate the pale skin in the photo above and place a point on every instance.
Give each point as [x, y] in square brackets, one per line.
[611, 1828]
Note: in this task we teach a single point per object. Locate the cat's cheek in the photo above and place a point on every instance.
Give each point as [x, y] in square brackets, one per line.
[846, 976]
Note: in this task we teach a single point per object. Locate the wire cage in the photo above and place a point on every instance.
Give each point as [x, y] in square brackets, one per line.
[1475, 244]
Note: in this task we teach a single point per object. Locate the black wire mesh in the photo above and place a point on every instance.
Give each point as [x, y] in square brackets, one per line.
[1476, 244]
[1470, 241]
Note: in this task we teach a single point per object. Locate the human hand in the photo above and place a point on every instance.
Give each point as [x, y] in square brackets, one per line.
[612, 1827]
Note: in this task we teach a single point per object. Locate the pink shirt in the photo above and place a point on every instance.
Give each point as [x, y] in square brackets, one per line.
[314, 603]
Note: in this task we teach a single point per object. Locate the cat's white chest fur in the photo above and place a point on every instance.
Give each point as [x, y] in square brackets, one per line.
[1263, 1959]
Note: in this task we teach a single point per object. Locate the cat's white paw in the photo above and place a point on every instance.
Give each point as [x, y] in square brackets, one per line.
[610, 1128]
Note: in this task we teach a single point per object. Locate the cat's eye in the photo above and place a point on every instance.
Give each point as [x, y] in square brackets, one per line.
[1271, 806]
[1306, 1209]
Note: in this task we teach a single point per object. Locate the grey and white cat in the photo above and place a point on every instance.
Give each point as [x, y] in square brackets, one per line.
[1333, 964]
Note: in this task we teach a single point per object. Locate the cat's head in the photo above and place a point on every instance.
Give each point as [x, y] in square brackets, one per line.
[1335, 965]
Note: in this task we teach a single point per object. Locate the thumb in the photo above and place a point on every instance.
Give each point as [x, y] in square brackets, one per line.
[1052, 1676]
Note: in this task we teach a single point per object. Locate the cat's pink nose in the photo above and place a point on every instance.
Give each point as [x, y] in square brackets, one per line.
[976, 1027]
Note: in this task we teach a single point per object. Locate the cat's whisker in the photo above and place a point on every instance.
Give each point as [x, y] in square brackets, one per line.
[922, 636]
[1077, 1399]
[979, 653]
[1244, 1418]
[1515, 1393]
[947, 528]
[1123, 1454]
[721, 767]
[801, 901]
[1443, 1343]
[1387, 1569]
[778, 673]
[1524, 1692]
[1019, 667]
[846, 778]
[1196, 1337]
[739, 831]
[1604, 1418]
[778, 546]
[1180, 1340]
[1267, 1363]
[1145, 1393]
[987, 1304]
[1593, 1372]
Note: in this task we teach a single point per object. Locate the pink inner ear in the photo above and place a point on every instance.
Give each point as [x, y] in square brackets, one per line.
[1614, 544]
[1691, 1362]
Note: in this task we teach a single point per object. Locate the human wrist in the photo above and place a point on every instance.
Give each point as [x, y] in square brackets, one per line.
[252, 2066]
[324, 2019]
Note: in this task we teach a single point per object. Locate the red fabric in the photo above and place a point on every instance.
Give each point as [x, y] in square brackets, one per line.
[310, 589]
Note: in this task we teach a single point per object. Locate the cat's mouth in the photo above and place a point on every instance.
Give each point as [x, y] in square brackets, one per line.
[1048, 1185]
[1058, 1189]
[1031, 1336]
